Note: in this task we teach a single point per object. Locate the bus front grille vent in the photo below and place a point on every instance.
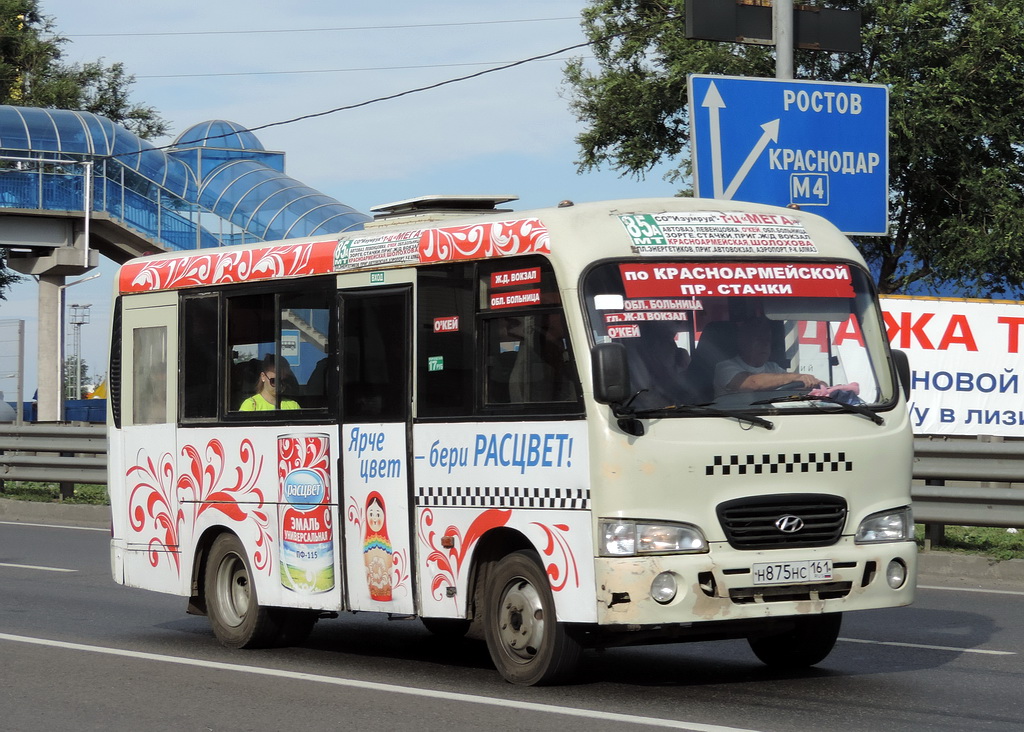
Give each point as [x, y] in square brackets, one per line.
[790, 593]
[783, 521]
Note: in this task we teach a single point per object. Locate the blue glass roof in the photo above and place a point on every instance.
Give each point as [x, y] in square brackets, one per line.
[270, 204]
[216, 166]
[35, 132]
[218, 133]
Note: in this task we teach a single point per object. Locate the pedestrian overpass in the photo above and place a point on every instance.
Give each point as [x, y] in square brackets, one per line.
[74, 186]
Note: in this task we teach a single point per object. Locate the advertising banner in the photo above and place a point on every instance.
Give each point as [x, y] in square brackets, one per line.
[965, 363]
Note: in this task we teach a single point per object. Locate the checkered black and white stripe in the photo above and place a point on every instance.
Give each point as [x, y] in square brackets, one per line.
[774, 463]
[502, 497]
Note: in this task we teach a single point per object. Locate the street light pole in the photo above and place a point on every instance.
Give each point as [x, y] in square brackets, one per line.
[60, 341]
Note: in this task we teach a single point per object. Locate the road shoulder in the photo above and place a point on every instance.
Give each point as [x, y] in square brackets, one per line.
[61, 514]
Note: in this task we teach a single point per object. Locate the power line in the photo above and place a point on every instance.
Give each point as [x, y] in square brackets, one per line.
[416, 90]
[322, 71]
[309, 30]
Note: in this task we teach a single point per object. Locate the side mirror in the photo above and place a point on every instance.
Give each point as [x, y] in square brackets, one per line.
[611, 373]
[902, 363]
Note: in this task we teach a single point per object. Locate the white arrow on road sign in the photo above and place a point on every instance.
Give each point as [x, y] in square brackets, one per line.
[770, 134]
[714, 103]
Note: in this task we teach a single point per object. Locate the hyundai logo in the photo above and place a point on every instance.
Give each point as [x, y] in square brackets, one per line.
[789, 524]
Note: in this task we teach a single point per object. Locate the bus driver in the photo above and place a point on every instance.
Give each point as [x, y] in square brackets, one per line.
[751, 369]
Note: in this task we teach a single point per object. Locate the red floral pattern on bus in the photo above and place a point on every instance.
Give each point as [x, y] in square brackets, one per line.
[238, 497]
[448, 561]
[563, 567]
[150, 505]
[232, 492]
[292, 454]
[217, 267]
[476, 241]
[212, 267]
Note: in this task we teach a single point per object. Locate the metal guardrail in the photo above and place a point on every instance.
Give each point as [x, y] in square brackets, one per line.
[937, 461]
[53, 453]
[69, 454]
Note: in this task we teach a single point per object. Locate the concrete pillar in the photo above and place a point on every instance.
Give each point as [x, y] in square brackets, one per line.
[49, 358]
[51, 249]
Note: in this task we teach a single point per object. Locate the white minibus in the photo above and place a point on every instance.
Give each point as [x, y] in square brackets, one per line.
[628, 422]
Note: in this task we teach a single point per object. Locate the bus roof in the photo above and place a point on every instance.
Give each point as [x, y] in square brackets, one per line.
[653, 227]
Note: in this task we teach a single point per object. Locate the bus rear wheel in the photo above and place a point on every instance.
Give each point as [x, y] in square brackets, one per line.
[808, 642]
[232, 604]
[526, 642]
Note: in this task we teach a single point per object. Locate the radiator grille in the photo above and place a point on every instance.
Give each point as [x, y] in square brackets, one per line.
[751, 523]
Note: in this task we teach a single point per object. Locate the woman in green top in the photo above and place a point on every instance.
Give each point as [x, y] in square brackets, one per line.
[265, 398]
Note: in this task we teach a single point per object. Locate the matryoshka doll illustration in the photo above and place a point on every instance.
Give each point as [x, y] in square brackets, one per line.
[377, 549]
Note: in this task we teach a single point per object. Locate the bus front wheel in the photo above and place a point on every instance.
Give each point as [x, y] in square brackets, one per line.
[808, 642]
[232, 605]
[526, 642]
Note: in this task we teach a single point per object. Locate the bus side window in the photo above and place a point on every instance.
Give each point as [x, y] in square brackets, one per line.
[528, 360]
[199, 350]
[375, 356]
[503, 337]
[250, 335]
[149, 375]
[306, 331]
[445, 324]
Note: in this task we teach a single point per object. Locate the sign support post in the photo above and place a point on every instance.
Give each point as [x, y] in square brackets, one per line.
[782, 22]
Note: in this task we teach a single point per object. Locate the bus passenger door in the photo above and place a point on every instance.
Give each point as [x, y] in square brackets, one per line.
[145, 444]
[375, 393]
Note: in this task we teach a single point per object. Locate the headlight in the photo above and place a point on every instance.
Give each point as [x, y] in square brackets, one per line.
[623, 538]
[893, 525]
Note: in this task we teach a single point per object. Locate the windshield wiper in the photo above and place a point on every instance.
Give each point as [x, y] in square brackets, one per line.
[844, 407]
[703, 410]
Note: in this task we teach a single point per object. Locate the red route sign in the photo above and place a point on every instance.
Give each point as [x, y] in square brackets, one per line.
[754, 279]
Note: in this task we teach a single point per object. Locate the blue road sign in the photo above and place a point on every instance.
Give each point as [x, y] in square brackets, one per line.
[822, 146]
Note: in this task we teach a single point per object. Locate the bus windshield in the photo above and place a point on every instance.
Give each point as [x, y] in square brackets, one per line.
[742, 335]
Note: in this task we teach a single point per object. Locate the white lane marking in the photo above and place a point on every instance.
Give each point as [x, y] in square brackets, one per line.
[970, 589]
[930, 648]
[31, 566]
[385, 688]
[54, 526]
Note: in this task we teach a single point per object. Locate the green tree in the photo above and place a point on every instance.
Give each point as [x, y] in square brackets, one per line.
[955, 69]
[34, 74]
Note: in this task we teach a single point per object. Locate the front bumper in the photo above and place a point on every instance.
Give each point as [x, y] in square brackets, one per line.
[720, 585]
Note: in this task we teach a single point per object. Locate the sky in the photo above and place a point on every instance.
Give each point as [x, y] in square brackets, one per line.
[265, 61]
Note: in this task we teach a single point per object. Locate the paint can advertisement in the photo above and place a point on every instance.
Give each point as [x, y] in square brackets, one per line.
[307, 533]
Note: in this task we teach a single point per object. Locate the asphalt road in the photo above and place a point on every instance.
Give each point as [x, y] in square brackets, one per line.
[81, 653]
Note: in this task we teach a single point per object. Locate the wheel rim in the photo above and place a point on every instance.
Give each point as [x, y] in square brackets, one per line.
[234, 591]
[521, 620]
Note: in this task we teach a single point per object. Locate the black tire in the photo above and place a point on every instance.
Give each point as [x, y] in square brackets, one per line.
[451, 628]
[527, 644]
[232, 605]
[809, 642]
